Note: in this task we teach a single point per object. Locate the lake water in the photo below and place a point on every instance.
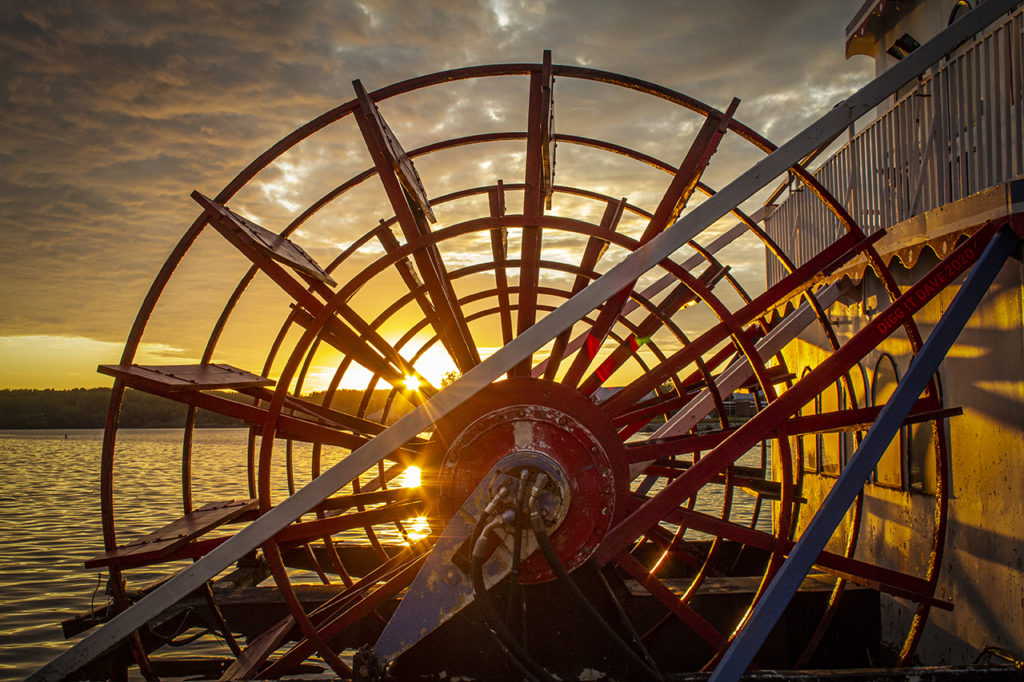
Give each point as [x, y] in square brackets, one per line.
[50, 519]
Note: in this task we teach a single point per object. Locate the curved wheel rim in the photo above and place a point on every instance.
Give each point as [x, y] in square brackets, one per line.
[295, 370]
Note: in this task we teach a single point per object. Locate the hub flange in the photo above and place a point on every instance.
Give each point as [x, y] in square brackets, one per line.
[539, 421]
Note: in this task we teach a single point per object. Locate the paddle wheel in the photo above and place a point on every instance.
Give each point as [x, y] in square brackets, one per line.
[575, 457]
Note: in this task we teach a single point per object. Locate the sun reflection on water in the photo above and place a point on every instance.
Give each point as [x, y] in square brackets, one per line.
[410, 478]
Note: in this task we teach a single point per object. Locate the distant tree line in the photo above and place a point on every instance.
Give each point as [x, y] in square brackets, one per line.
[86, 408]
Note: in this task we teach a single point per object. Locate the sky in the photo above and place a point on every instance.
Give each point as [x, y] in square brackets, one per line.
[112, 113]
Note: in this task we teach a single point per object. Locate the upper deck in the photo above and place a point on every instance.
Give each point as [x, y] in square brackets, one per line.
[955, 132]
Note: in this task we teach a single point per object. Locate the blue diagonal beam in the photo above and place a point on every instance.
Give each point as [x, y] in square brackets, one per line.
[859, 468]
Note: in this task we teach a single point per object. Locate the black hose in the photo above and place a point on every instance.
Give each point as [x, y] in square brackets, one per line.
[496, 626]
[514, 610]
[537, 524]
[621, 613]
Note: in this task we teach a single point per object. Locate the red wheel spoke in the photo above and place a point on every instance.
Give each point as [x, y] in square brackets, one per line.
[412, 208]
[791, 401]
[653, 290]
[799, 280]
[255, 655]
[636, 418]
[828, 422]
[676, 299]
[357, 611]
[862, 573]
[537, 195]
[695, 621]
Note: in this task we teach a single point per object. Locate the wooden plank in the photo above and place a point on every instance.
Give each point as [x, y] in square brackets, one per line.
[499, 251]
[398, 158]
[175, 534]
[188, 377]
[273, 245]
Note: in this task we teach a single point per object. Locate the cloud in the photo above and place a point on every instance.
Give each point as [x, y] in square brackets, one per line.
[111, 113]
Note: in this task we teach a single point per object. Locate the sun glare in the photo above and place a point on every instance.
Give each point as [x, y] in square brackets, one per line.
[412, 383]
[410, 478]
[418, 528]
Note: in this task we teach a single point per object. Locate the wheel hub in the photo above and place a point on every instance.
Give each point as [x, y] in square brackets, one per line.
[516, 422]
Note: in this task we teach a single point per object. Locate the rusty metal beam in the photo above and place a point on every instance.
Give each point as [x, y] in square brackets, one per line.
[536, 196]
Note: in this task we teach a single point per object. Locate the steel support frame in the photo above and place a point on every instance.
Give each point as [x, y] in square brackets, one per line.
[858, 469]
[790, 402]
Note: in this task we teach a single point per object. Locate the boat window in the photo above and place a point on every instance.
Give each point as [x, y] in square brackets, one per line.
[859, 399]
[889, 471]
[830, 444]
[921, 454]
[809, 444]
[960, 8]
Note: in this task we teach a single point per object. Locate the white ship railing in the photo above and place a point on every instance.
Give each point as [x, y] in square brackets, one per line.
[958, 131]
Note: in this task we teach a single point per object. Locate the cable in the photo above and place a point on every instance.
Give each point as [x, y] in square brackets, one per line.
[514, 609]
[621, 613]
[92, 602]
[515, 652]
[537, 524]
[514, 612]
